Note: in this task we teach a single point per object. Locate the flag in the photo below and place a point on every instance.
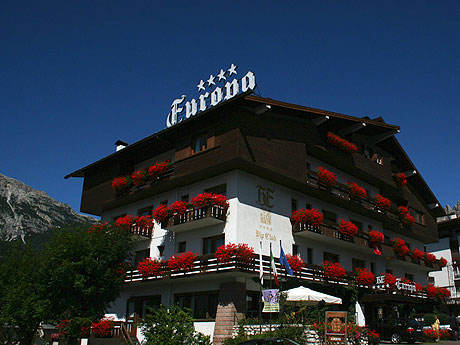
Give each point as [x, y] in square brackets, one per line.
[261, 266]
[272, 264]
[285, 262]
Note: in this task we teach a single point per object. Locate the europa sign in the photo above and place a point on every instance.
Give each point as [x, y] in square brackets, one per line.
[213, 96]
[400, 285]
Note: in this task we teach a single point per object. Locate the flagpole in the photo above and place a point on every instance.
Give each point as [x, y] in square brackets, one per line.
[270, 319]
[281, 290]
[261, 281]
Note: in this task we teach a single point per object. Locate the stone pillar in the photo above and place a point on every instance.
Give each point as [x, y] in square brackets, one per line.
[230, 309]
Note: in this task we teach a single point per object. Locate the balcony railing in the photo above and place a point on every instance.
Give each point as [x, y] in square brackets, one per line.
[342, 191]
[141, 231]
[197, 218]
[148, 183]
[207, 265]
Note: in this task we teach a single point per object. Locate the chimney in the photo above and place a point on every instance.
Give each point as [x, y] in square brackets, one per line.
[121, 145]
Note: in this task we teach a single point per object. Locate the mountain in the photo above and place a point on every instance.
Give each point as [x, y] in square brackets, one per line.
[25, 211]
[453, 210]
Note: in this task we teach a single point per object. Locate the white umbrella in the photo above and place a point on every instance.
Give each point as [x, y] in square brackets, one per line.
[308, 296]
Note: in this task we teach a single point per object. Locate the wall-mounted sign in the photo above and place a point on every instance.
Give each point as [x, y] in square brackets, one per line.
[271, 300]
[213, 96]
[335, 329]
[400, 285]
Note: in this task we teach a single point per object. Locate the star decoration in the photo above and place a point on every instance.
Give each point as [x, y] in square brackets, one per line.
[221, 75]
[232, 70]
[200, 86]
[211, 80]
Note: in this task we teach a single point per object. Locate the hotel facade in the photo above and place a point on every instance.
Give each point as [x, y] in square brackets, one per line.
[264, 155]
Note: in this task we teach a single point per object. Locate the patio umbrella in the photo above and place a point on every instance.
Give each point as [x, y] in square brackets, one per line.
[306, 296]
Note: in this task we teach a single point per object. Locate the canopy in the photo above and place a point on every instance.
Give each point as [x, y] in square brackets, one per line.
[308, 296]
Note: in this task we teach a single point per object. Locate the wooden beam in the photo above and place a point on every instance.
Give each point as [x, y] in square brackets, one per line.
[410, 173]
[351, 129]
[433, 205]
[262, 109]
[319, 120]
[384, 136]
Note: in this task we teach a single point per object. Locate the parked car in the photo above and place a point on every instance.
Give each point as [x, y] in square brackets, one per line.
[269, 341]
[398, 330]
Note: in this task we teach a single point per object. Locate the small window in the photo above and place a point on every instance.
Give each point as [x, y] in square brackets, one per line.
[359, 225]
[373, 267]
[357, 263]
[389, 271]
[182, 247]
[409, 276]
[310, 256]
[120, 216]
[161, 250]
[377, 158]
[334, 258]
[140, 255]
[330, 218]
[210, 244]
[145, 211]
[293, 205]
[308, 166]
[295, 249]
[140, 305]
[200, 143]
[418, 216]
[308, 206]
[185, 198]
[164, 202]
[220, 189]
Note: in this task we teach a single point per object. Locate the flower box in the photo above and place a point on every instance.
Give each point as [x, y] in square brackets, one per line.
[197, 218]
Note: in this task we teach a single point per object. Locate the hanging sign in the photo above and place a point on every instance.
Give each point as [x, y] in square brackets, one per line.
[335, 330]
[181, 109]
[271, 301]
[400, 284]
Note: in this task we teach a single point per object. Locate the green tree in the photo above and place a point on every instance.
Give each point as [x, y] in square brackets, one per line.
[83, 272]
[172, 326]
[21, 303]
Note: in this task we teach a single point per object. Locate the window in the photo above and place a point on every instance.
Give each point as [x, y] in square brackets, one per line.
[331, 257]
[164, 202]
[145, 211]
[293, 205]
[295, 249]
[200, 143]
[220, 189]
[389, 271]
[330, 218]
[409, 276]
[182, 247]
[253, 304]
[308, 206]
[371, 154]
[373, 267]
[418, 216]
[161, 250]
[121, 215]
[359, 225]
[185, 197]
[355, 263]
[310, 256]
[210, 244]
[140, 255]
[139, 305]
[203, 305]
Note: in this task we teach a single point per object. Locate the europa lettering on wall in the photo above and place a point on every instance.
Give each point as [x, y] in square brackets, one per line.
[400, 285]
[215, 94]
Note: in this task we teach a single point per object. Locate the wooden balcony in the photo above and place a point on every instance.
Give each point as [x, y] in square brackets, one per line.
[141, 231]
[208, 266]
[149, 183]
[197, 218]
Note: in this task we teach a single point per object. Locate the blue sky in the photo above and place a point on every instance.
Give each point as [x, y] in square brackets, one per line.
[76, 76]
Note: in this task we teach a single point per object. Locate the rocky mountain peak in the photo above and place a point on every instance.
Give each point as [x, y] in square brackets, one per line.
[24, 210]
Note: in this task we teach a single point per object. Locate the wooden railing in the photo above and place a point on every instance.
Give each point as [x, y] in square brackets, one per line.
[149, 182]
[142, 231]
[216, 212]
[209, 265]
[342, 191]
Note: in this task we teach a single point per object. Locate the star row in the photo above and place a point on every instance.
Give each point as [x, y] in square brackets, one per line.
[221, 76]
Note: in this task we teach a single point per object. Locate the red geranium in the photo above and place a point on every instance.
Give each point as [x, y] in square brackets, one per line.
[341, 143]
[313, 217]
[120, 183]
[405, 216]
[161, 214]
[209, 199]
[443, 292]
[381, 202]
[418, 287]
[390, 280]
[296, 262]
[138, 177]
[442, 262]
[325, 177]
[158, 169]
[144, 222]
[400, 247]
[150, 267]
[221, 200]
[102, 328]
[182, 262]
[241, 252]
[98, 227]
[356, 191]
[430, 258]
[347, 228]
[376, 236]
[364, 276]
[401, 179]
[417, 254]
[125, 223]
[333, 270]
[62, 326]
[178, 208]
[432, 291]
